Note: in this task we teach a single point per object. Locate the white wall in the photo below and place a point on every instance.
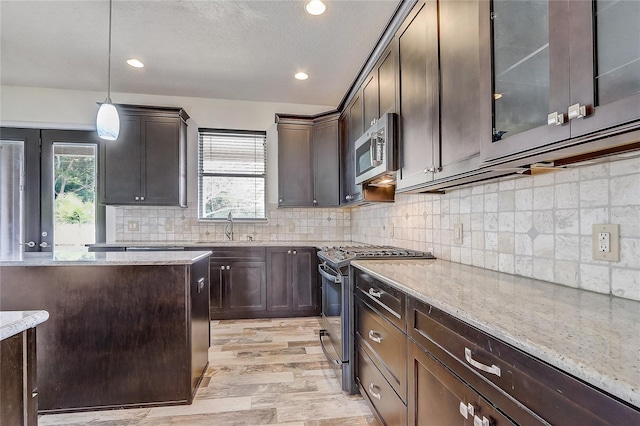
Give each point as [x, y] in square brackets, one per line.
[72, 109]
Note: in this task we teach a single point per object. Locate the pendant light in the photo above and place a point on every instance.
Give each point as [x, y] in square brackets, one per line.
[107, 121]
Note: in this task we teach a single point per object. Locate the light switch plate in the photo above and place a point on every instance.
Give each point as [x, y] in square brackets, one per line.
[457, 233]
[605, 242]
[133, 225]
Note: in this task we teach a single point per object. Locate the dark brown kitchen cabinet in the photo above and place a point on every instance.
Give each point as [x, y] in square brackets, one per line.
[308, 161]
[292, 281]
[438, 397]
[238, 282]
[526, 390]
[18, 388]
[381, 348]
[418, 99]
[379, 89]
[295, 160]
[118, 335]
[351, 129]
[557, 74]
[326, 165]
[146, 165]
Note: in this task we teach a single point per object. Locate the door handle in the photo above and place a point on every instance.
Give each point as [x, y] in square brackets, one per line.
[43, 244]
[375, 293]
[29, 244]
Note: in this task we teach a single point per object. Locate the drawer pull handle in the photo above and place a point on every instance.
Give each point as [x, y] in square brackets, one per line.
[375, 293]
[494, 369]
[375, 336]
[372, 391]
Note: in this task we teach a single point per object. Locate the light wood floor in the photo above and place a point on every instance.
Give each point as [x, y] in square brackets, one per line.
[261, 372]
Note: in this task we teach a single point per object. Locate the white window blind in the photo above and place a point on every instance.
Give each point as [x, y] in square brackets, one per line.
[232, 166]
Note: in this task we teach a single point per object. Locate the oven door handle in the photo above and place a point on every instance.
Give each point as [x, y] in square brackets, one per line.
[325, 271]
[324, 349]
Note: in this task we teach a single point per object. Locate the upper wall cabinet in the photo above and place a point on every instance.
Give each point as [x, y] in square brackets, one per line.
[147, 163]
[556, 70]
[379, 89]
[418, 100]
[308, 161]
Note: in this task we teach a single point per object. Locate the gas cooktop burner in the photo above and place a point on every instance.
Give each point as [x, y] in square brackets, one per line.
[342, 255]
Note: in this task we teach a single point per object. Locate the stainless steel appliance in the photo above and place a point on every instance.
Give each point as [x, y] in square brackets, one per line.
[336, 334]
[376, 153]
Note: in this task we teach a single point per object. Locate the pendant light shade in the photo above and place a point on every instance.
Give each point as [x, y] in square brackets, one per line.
[107, 120]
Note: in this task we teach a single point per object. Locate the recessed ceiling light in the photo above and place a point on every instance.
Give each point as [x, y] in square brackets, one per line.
[302, 76]
[135, 63]
[315, 7]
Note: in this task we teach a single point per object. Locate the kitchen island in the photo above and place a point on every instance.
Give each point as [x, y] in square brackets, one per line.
[125, 329]
[19, 385]
[584, 340]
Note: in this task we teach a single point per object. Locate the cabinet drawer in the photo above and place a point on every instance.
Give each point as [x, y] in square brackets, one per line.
[387, 405]
[389, 301]
[387, 345]
[526, 388]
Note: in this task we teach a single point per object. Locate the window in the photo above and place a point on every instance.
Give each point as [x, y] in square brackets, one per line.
[232, 174]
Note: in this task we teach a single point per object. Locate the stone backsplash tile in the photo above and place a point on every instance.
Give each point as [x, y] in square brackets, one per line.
[536, 226]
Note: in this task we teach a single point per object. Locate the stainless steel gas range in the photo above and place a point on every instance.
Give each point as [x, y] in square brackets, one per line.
[336, 335]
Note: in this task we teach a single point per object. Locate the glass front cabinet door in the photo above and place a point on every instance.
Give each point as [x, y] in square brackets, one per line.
[553, 70]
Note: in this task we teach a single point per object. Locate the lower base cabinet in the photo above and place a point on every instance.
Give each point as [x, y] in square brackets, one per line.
[263, 282]
[457, 374]
[438, 397]
[18, 391]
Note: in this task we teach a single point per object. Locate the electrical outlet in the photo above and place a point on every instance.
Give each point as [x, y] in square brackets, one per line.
[457, 233]
[606, 242]
[133, 225]
[168, 225]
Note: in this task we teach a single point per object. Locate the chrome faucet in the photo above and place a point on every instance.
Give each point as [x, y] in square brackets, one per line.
[228, 229]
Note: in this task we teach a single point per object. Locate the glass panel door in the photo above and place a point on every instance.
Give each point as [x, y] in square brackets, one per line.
[617, 50]
[74, 168]
[70, 217]
[521, 66]
[11, 197]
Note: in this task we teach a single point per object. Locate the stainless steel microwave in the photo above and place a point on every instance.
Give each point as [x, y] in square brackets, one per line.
[376, 152]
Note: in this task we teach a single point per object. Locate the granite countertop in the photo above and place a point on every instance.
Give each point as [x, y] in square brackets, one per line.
[592, 336]
[66, 258]
[14, 322]
[317, 244]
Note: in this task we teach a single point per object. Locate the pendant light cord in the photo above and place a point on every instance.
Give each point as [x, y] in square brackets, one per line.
[109, 63]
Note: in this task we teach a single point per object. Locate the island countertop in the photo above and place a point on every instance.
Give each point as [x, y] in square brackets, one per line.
[222, 244]
[592, 336]
[14, 322]
[66, 258]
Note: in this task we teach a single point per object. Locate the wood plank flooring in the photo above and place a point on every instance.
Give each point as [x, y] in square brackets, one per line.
[261, 372]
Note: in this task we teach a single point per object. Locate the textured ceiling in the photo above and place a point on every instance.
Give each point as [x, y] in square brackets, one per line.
[246, 50]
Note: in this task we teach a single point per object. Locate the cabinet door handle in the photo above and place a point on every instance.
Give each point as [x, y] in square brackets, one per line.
[295, 252]
[141, 198]
[375, 336]
[137, 198]
[375, 293]
[34, 393]
[200, 285]
[577, 111]
[288, 251]
[493, 369]
[555, 118]
[372, 391]
[228, 267]
[222, 267]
